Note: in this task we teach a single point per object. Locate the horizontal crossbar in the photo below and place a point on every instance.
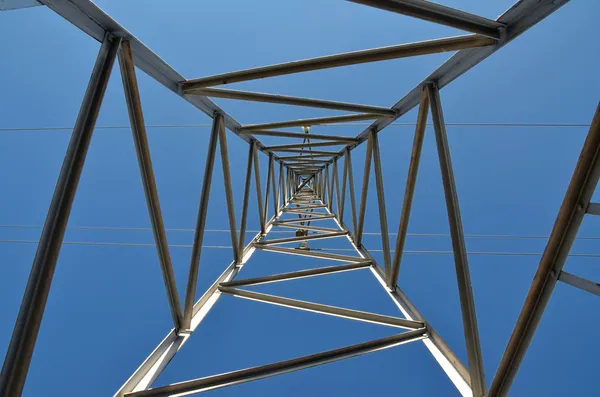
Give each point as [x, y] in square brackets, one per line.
[310, 122]
[282, 367]
[345, 59]
[324, 309]
[296, 275]
[303, 238]
[312, 254]
[300, 135]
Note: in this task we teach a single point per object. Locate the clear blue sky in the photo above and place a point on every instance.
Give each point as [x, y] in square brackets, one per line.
[107, 309]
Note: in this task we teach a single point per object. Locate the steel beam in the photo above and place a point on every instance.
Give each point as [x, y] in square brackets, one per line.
[24, 336]
[409, 191]
[571, 213]
[312, 228]
[201, 223]
[255, 373]
[312, 254]
[314, 218]
[303, 238]
[306, 156]
[287, 100]
[304, 145]
[345, 59]
[259, 199]
[324, 309]
[351, 189]
[138, 129]
[385, 238]
[593, 209]
[228, 191]
[296, 275]
[463, 276]
[438, 13]
[268, 187]
[579, 282]
[312, 152]
[299, 135]
[246, 198]
[309, 122]
[363, 196]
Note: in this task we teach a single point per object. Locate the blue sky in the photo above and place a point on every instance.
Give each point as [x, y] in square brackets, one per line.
[107, 308]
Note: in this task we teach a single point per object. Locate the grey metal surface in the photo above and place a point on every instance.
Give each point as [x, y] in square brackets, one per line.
[25, 332]
[363, 195]
[579, 282]
[246, 198]
[286, 240]
[465, 292]
[288, 134]
[296, 275]
[312, 254]
[438, 13]
[385, 238]
[287, 100]
[324, 309]
[200, 223]
[345, 59]
[7, 5]
[314, 121]
[409, 190]
[571, 213]
[255, 373]
[138, 128]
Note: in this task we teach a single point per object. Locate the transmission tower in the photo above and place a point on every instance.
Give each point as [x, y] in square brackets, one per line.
[305, 190]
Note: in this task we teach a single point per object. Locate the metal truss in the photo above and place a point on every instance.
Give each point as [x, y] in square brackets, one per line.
[304, 187]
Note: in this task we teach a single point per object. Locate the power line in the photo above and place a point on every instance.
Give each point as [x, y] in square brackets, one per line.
[408, 124]
[114, 228]
[431, 252]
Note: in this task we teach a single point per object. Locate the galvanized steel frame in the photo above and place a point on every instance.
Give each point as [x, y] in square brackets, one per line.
[303, 187]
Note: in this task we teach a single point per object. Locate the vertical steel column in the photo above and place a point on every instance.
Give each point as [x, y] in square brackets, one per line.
[343, 201]
[411, 181]
[138, 128]
[385, 238]
[351, 189]
[364, 191]
[571, 213]
[251, 151]
[22, 343]
[337, 185]
[463, 277]
[261, 214]
[280, 187]
[268, 188]
[228, 191]
[201, 222]
[275, 191]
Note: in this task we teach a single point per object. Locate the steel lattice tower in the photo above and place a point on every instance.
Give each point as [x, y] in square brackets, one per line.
[306, 191]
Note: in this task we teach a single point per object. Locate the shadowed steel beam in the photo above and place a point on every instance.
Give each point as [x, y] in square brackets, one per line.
[200, 223]
[313, 228]
[287, 100]
[343, 199]
[282, 367]
[571, 213]
[313, 152]
[364, 191]
[309, 122]
[304, 162]
[351, 188]
[593, 209]
[312, 219]
[228, 191]
[300, 135]
[259, 198]
[312, 254]
[581, 283]
[463, 276]
[325, 309]
[24, 336]
[409, 191]
[308, 144]
[438, 13]
[268, 188]
[336, 182]
[274, 192]
[280, 187]
[306, 156]
[246, 198]
[303, 238]
[385, 238]
[138, 129]
[296, 275]
[345, 59]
